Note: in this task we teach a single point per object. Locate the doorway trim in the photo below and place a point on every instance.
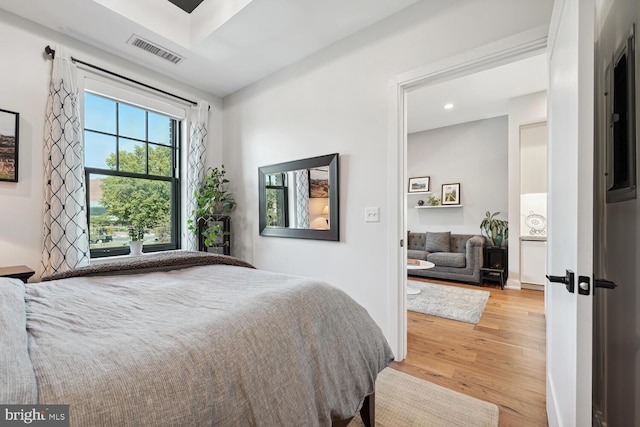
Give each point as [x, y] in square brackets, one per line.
[520, 46]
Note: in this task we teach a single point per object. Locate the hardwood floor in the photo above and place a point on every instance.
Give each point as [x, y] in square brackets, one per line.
[499, 360]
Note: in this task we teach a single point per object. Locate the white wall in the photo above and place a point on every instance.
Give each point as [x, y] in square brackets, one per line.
[473, 154]
[25, 73]
[337, 101]
[523, 110]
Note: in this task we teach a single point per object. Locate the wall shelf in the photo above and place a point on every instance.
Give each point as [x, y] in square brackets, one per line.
[438, 207]
[419, 192]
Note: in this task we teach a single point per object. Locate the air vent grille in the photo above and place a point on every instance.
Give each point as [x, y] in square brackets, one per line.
[155, 49]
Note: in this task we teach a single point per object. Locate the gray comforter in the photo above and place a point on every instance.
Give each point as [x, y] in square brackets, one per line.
[205, 345]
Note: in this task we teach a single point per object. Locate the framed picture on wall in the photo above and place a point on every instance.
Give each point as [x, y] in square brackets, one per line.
[319, 182]
[419, 184]
[9, 124]
[451, 194]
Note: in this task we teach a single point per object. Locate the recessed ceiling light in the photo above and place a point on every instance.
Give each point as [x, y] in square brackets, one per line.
[448, 106]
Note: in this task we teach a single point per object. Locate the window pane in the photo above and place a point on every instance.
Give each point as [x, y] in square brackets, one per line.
[159, 160]
[159, 128]
[275, 179]
[275, 208]
[133, 157]
[104, 231]
[99, 151]
[131, 122]
[99, 113]
[115, 203]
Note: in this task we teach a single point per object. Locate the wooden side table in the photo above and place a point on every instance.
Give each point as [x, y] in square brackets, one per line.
[21, 272]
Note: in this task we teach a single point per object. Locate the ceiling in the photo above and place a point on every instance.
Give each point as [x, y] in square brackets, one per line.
[476, 96]
[229, 44]
[226, 44]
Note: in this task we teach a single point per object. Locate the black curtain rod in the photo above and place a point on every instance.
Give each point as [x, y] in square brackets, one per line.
[52, 52]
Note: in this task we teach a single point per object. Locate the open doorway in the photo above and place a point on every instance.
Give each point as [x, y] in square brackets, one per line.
[479, 134]
[507, 51]
[458, 157]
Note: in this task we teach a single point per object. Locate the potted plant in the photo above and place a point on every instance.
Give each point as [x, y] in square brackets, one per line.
[136, 236]
[495, 229]
[213, 203]
[433, 201]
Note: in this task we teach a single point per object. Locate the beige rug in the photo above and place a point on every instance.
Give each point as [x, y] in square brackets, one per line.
[404, 401]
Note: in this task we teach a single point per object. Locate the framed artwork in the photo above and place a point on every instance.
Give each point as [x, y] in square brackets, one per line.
[319, 182]
[451, 194]
[419, 184]
[9, 126]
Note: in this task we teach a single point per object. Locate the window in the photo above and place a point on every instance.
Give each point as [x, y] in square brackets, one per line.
[277, 200]
[132, 177]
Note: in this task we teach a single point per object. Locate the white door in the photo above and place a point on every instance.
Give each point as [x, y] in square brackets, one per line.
[570, 210]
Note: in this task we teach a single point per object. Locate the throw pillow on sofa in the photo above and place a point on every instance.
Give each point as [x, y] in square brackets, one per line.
[438, 242]
[416, 241]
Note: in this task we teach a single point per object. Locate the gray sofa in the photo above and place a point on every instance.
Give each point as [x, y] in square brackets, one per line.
[456, 256]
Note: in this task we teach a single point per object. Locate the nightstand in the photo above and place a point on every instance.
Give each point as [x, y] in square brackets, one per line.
[21, 272]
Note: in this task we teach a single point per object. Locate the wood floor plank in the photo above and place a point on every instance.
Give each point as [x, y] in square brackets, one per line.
[499, 360]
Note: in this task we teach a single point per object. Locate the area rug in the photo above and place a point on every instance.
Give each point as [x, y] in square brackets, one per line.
[404, 401]
[450, 302]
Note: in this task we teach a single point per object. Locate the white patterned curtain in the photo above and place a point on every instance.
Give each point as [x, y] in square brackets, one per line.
[66, 243]
[199, 122]
[302, 198]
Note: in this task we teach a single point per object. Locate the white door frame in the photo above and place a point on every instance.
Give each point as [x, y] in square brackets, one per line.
[518, 47]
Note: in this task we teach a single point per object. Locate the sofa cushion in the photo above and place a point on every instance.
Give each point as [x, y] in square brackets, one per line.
[416, 241]
[415, 254]
[437, 242]
[459, 242]
[448, 259]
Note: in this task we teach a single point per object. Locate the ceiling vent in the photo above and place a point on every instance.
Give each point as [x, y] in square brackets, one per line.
[154, 49]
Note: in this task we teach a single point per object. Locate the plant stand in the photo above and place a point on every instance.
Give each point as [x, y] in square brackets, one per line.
[223, 244]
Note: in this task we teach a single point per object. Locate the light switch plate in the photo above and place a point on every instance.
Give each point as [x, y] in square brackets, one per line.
[371, 214]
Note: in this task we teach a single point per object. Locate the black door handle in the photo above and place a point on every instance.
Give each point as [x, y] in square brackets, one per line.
[557, 279]
[602, 283]
[567, 280]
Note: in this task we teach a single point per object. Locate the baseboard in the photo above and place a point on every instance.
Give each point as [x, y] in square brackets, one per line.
[532, 286]
[512, 284]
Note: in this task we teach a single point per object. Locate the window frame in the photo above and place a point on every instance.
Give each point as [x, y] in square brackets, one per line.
[283, 190]
[125, 94]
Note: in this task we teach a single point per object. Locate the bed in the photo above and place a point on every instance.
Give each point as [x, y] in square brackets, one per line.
[188, 338]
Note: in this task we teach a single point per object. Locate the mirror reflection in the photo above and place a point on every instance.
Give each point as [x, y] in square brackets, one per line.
[300, 199]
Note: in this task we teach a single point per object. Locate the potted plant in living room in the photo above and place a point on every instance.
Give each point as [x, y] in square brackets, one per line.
[496, 230]
[214, 204]
[136, 236]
